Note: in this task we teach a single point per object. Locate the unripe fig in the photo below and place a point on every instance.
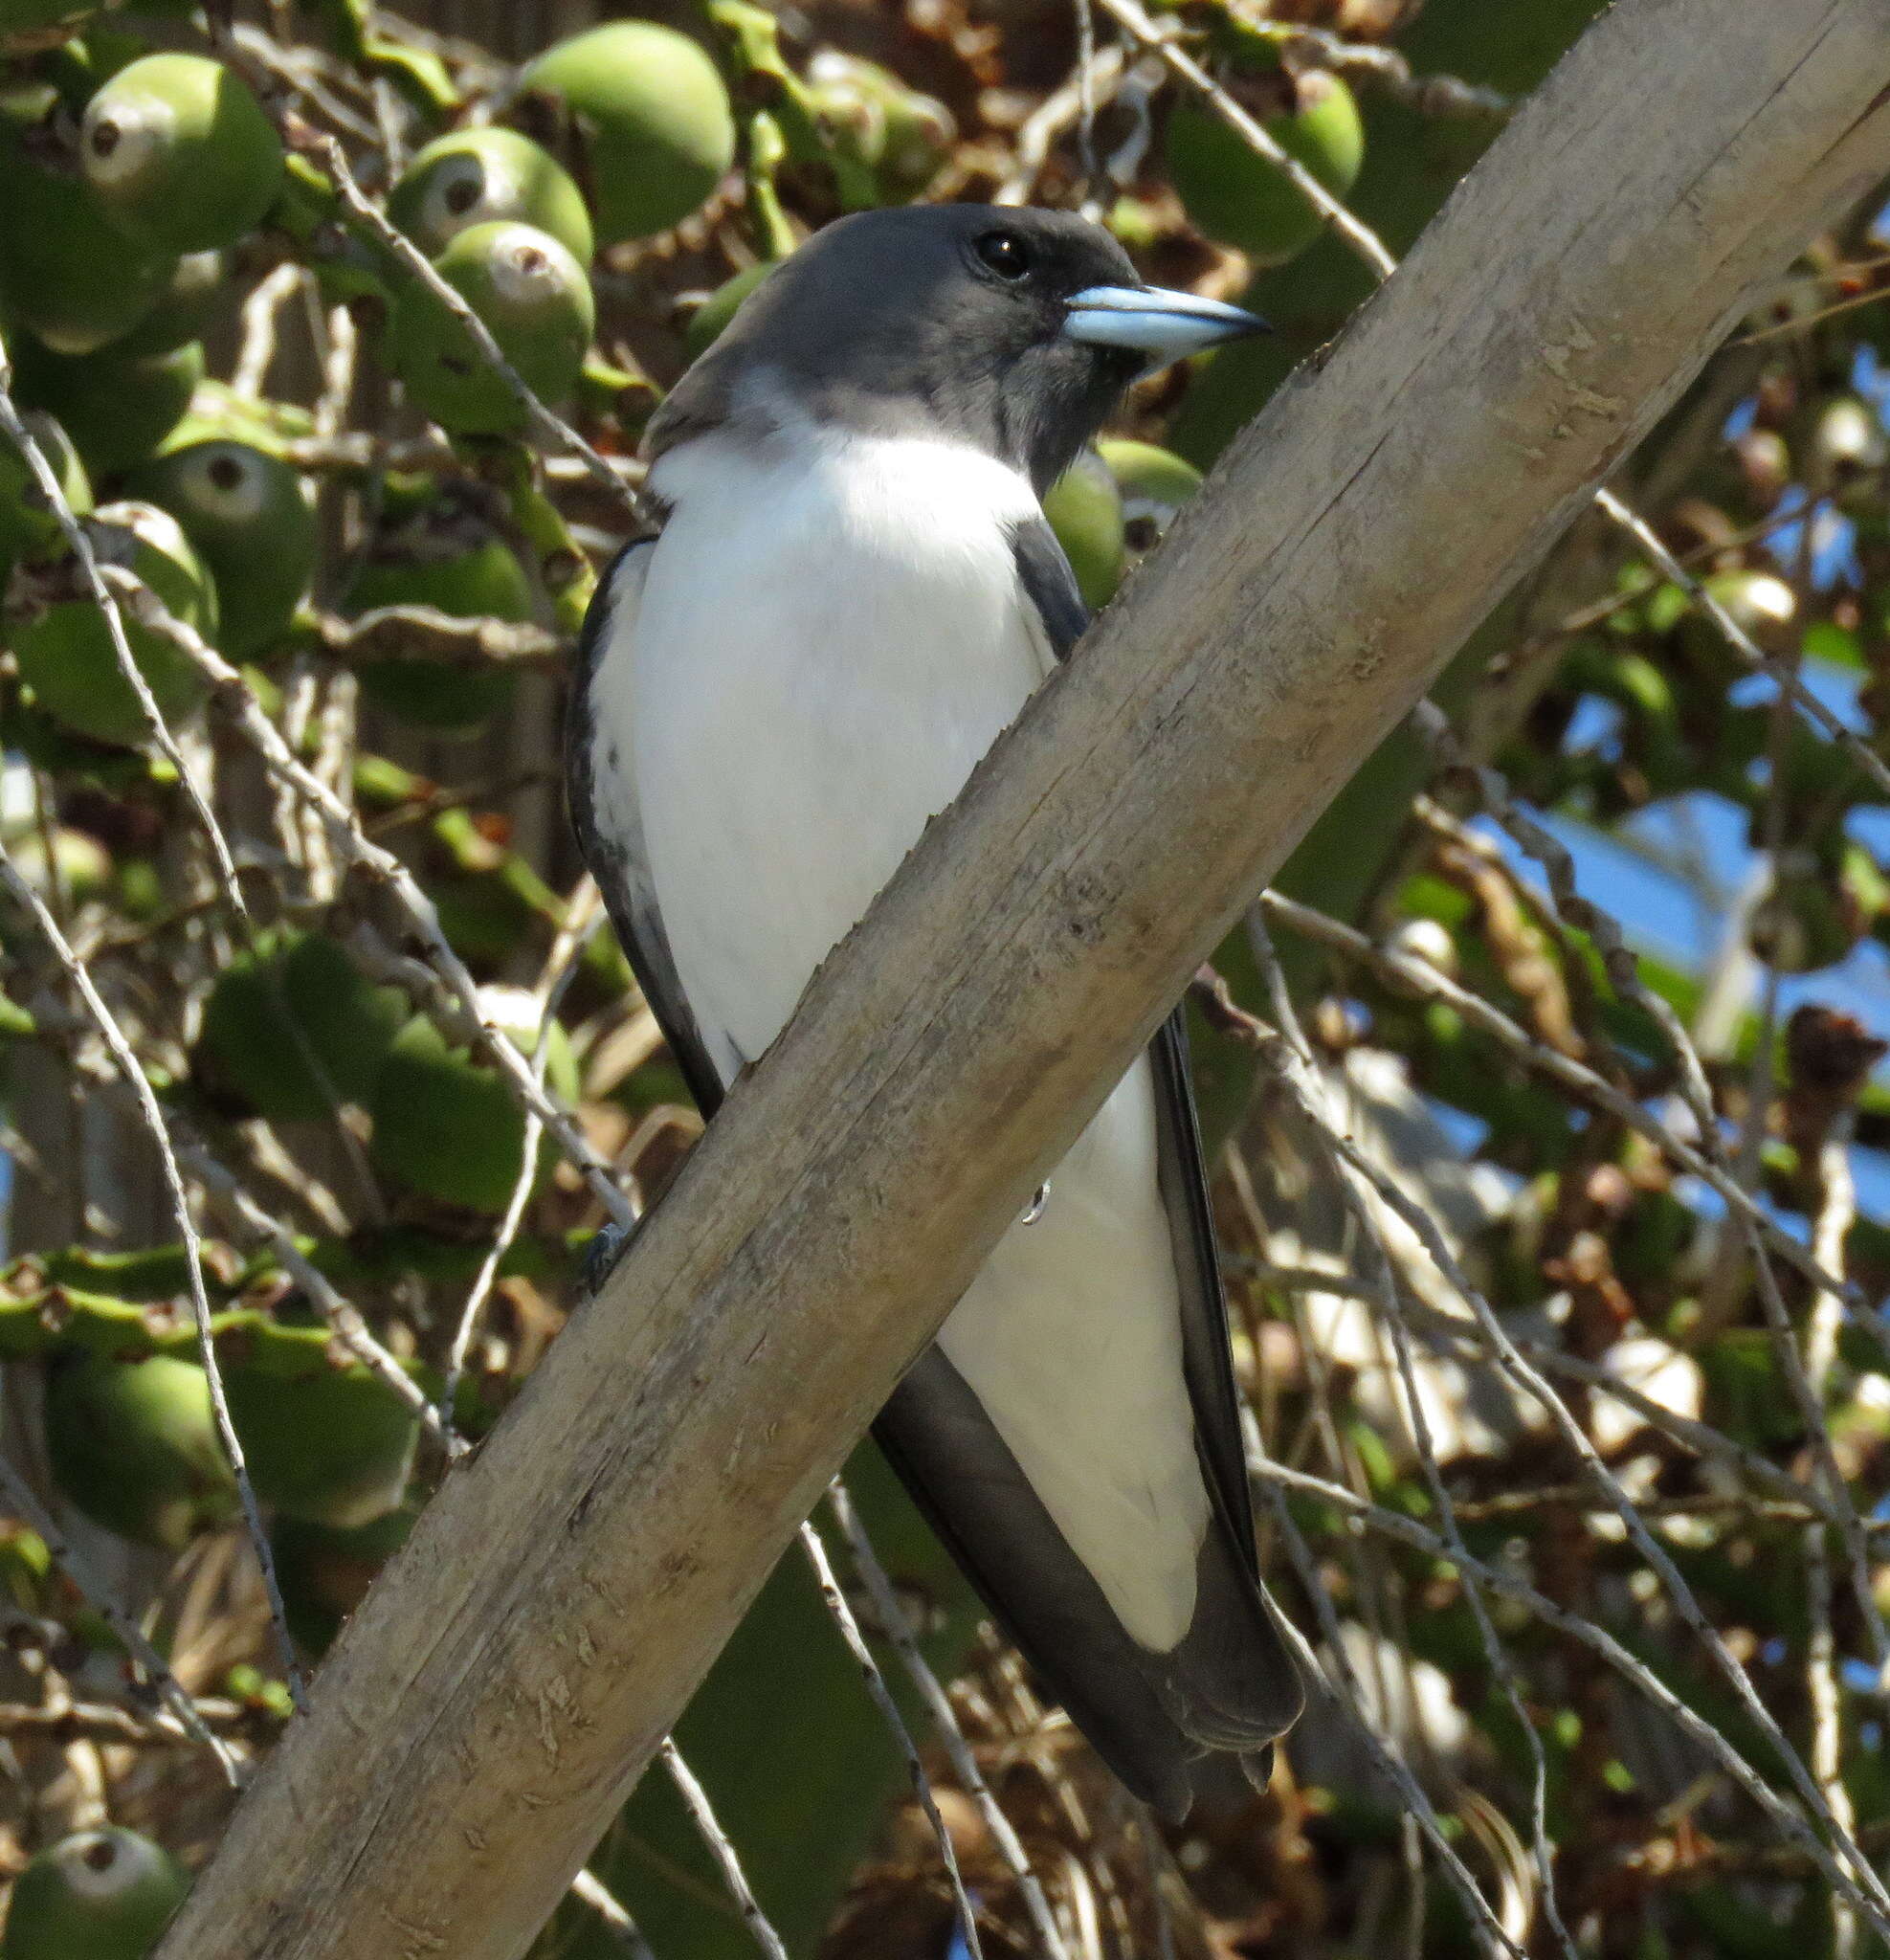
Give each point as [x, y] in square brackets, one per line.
[332, 1445]
[69, 270]
[448, 556]
[180, 149]
[133, 1445]
[116, 407]
[902, 137]
[722, 305]
[325, 1572]
[293, 1029]
[445, 1122]
[1240, 198]
[479, 176]
[26, 524]
[97, 1895]
[64, 649]
[199, 282]
[534, 297]
[1154, 483]
[652, 119]
[1086, 511]
[253, 521]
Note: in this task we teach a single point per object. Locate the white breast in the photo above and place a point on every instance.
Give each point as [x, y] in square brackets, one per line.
[823, 651]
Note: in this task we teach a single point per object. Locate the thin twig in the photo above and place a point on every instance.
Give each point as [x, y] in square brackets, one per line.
[1162, 42]
[1421, 977]
[695, 1801]
[20, 1496]
[1304, 1083]
[589, 1889]
[882, 1699]
[1869, 1888]
[898, 1628]
[581, 918]
[1349, 1696]
[80, 543]
[1501, 1578]
[444, 966]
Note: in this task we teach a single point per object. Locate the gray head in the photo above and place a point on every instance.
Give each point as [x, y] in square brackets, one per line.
[1017, 330]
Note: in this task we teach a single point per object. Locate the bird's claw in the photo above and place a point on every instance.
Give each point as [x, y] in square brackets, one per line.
[601, 1255]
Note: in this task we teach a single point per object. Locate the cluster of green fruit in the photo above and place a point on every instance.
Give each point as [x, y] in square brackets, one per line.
[293, 1029]
[129, 182]
[126, 179]
[289, 1032]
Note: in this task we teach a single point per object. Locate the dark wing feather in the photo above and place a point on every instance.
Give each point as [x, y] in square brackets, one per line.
[609, 832]
[1050, 584]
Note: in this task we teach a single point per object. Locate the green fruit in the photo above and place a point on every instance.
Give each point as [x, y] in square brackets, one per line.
[97, 1895]
[478, 176]
[448, 557]
[116, 407]
[653, 119]
[83, 865]
[253, 521]
[1086, 511]
[534, 297]
[26, 524]
[1154, 482]
[333, 1446]
[325, 1572]
[69, 270]
[64, 650]
[1240, 198]
[445, 1122]
[870, 115]
[182, 152]
[186, 308]
[715, 312]
[134, 1445]
[293, 1029]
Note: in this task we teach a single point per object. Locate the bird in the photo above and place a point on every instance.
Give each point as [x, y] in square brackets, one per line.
[848, 591]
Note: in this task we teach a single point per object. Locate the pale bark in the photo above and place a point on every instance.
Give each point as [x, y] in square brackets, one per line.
[509, 1679]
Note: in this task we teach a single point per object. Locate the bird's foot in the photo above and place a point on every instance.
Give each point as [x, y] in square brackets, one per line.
[602, 1256]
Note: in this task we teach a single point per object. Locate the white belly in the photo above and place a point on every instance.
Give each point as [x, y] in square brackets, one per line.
[820, 658]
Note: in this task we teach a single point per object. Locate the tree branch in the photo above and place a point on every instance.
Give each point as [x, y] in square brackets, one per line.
[511, 1675]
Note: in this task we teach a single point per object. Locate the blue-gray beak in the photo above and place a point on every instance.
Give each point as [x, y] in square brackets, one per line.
[1163, 325]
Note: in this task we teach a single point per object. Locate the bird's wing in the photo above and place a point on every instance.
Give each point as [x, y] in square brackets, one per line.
[1230, 1683]
[610, 828]
[1051, 586]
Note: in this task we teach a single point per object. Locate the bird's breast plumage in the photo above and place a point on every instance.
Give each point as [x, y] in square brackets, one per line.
[830, 638]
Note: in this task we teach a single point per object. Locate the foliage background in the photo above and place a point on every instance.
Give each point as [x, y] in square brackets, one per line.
[1640, 764]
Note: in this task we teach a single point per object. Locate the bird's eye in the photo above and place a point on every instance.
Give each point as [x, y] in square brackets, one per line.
[1006, 254]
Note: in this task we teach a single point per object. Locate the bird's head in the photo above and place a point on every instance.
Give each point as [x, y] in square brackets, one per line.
[1014, 329]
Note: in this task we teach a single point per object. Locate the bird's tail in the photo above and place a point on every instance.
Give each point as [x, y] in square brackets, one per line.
[1228, 1686]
